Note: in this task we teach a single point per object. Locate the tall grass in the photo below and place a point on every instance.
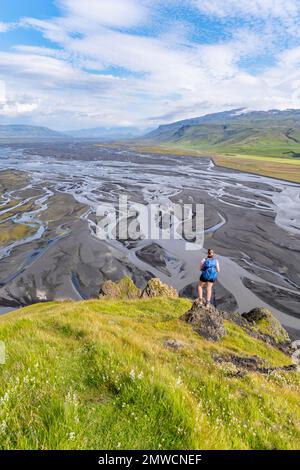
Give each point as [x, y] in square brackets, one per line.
[98, 375]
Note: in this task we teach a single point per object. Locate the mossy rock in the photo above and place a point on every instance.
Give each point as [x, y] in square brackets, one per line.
[156, 288]
[264, 321]
[123, 289]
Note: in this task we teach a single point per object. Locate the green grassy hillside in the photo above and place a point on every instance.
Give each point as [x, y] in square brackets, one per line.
[99, 374]
[262, 139]
[266, 143]
[270, 133]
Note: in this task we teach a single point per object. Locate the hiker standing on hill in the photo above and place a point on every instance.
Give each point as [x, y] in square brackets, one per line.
[209, 272]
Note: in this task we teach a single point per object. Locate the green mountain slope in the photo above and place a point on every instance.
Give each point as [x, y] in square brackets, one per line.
[105, 374]
[268, 133]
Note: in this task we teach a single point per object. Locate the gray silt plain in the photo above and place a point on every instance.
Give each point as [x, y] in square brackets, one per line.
[252, 222]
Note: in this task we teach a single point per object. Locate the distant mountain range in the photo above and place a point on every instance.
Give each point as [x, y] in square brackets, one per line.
[20, 132]
[106, 133]
[238, 131]
[274, 132]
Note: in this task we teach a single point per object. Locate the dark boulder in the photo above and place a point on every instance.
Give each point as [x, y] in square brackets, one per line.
[255, 314]
[208, 323]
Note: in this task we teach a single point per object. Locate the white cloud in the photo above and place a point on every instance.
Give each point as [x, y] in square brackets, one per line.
[106, 12]
[257, 8]
[17, 109]
[14, 108]
[275, 21]
[290, 58]
[4, 27]
[164, 77]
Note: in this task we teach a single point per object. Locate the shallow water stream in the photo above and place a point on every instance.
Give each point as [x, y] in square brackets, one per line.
[163, 179]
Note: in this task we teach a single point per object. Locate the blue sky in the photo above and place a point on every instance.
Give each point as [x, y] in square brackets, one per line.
[70, 64]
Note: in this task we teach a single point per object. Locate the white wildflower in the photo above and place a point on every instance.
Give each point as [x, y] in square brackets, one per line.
[4, 399]
[3, 426]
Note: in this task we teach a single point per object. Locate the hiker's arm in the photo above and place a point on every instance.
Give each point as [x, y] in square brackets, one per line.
[218, 267]
[201, 265]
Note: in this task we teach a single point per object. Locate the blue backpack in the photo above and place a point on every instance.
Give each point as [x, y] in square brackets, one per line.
[209, 270]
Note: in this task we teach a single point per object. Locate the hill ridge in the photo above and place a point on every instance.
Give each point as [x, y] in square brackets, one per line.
[238, 131]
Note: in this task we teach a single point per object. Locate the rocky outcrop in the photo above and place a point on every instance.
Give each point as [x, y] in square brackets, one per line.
[255, 314]
[267, 323]
[261, 324]
[258, 323]
[124, 289]
[156, 288]
[237, 366]
[208, 323]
